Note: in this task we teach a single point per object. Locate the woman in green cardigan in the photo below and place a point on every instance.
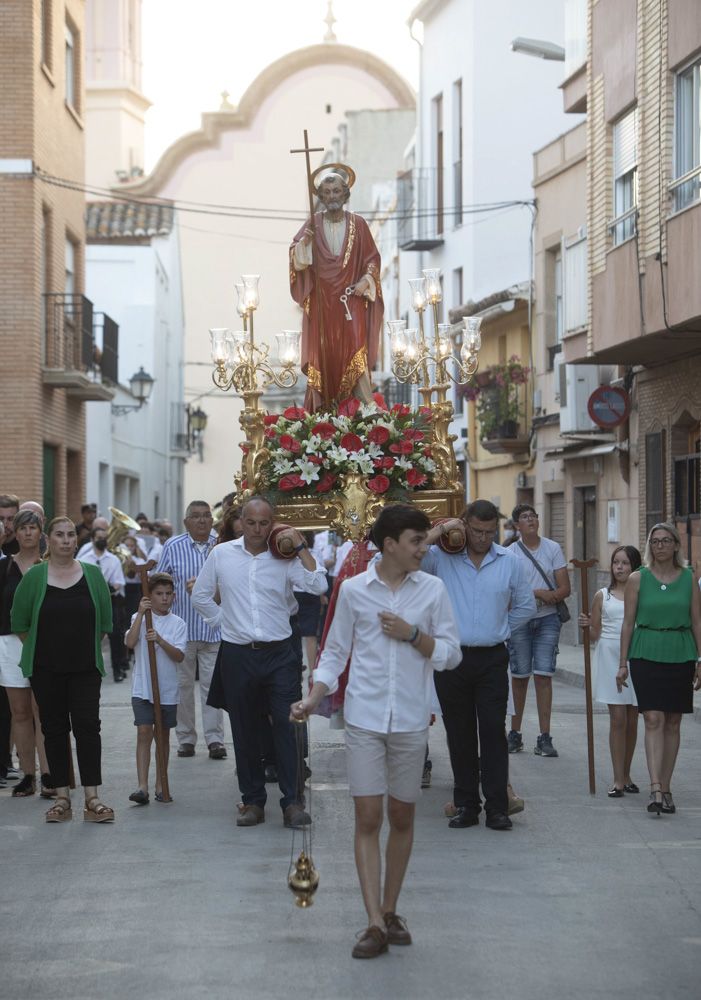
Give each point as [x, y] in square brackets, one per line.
[661, 646]
[61, 611]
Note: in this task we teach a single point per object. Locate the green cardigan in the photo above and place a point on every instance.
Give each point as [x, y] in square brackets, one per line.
[29, 598]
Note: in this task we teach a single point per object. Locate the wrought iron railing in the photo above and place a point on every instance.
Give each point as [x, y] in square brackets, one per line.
[77, 339]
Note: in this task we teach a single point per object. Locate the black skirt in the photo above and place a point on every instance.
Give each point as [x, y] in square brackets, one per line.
[663, 687]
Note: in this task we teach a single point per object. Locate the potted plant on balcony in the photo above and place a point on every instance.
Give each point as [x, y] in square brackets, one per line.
[500, 407]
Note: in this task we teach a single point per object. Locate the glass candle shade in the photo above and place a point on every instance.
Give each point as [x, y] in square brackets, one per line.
[221, 346]
[418, 293]
[397, 336]
[445, 342]
[432, 276]
[250, 291]
[288, 347]
[240, 299]
[472, 336]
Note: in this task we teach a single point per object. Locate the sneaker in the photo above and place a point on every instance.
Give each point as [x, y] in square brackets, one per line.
[514, 741]
[426, 774]
[544, 746]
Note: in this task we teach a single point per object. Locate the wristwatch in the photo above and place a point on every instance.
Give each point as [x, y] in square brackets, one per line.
[298, 548]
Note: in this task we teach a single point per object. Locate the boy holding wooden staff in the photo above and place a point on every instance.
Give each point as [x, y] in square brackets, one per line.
[169, 637]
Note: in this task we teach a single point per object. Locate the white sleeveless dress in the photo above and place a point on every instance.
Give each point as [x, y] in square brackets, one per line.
[607, 656]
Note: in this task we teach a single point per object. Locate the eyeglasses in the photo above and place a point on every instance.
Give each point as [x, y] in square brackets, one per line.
[481, 534]
[199, 517]
[659, 542]
[528, 517]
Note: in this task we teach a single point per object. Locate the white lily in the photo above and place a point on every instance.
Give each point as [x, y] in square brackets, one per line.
[307, 470]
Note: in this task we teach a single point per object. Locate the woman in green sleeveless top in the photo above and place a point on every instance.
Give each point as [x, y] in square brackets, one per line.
[661, 644]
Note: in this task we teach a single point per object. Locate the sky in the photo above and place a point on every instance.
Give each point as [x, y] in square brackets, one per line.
[195, 49]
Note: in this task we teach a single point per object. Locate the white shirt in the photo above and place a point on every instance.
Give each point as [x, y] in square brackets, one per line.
[109, 564]
[390, 685]
[174, 631]
[322, 550]
[549, 556]
[341, 553]
[256, 592]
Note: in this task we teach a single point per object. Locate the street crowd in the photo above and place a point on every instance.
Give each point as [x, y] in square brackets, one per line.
[416, 620]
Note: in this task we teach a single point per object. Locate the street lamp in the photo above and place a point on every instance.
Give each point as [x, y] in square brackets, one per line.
[538, 48]
[140, 386]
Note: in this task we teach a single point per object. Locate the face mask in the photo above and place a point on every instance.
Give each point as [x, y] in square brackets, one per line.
[101, 544]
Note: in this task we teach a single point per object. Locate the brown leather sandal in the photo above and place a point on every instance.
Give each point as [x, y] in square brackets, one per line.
[60, 811]
[96, 812]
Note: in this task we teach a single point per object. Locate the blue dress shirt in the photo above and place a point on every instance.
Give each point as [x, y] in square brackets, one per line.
[489, 602]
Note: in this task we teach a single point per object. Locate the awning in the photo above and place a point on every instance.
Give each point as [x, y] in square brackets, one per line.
[572, 451]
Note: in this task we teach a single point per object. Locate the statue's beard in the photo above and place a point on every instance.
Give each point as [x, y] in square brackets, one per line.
[334, 206]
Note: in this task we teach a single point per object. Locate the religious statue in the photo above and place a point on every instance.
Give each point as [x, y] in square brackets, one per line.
[335, 277]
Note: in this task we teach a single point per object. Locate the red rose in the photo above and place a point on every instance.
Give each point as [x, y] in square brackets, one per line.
[413, 435]
[426, 412]
[348, 407]
[378, 484]
[269, 433]
[325, 482]
[401, 448]
[290, 482]
[386, 462]
[400, 410]
[315, 459]
[378, 435]
[295, 413]
[289, 443]
[324, 430]
[271, 418]
[415, 478]
[380, 400]
[351, 442]
[428, 453]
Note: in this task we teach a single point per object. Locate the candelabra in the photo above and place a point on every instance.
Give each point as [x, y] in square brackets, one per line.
[239, 362]
[412, 357]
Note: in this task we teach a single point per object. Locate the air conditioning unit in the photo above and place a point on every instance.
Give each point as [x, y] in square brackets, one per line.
[575, 384]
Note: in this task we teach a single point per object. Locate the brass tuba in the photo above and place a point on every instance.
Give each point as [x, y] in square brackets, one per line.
[119, 528]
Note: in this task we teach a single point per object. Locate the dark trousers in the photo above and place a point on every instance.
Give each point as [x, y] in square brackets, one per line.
[70, 701]
[267, 744]
[118, 651]
[249, 678]
[473, 701]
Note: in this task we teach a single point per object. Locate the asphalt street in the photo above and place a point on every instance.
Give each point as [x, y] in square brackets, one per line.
[585, 898]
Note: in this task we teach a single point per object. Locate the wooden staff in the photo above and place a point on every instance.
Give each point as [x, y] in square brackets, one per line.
[319, 315]
[583, 565]
[71, 769]
[161, 768]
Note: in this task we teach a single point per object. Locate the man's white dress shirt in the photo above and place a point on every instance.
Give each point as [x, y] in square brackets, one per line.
[256, 592]
[390, 684]
[110, 567]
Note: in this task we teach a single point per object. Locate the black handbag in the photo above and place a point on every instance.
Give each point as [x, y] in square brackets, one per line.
[563, 612]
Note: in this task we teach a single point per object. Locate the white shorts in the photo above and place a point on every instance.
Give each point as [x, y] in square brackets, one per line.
[378, 763]
[10, 652]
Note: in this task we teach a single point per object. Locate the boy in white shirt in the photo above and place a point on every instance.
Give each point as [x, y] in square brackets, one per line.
[169, 633]
[397, 625]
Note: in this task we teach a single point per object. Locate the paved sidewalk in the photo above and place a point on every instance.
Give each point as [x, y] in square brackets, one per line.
[585, 898]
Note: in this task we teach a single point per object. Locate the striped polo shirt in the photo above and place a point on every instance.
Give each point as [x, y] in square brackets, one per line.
[183, 558]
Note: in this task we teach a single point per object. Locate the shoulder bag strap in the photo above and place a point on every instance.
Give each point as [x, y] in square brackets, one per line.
[535, 563]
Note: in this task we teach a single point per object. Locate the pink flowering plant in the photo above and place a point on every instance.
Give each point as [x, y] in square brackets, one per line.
[309, 452]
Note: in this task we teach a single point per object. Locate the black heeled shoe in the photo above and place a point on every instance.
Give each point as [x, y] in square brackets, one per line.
[655, 803]
[668, 805]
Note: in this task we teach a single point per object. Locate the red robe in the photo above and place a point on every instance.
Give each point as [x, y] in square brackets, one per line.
[350, 346]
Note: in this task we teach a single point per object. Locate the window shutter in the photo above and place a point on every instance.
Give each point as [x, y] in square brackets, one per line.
[654, 479]
[625, 154]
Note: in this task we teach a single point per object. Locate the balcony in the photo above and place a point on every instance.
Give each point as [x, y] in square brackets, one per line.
[73, 359]
[420, 211]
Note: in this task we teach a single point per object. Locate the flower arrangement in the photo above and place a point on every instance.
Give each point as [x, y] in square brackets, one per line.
[499, 402]
[310, 452]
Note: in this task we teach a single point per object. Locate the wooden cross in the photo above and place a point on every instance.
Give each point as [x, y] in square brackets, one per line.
[307, 149]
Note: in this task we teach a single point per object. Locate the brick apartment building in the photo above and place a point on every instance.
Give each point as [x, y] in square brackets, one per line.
[50, 362]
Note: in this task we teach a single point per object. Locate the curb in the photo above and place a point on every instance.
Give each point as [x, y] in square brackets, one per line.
[575, 679]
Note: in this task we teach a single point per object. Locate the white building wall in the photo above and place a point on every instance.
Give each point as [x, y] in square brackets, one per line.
[131, 458]
[511, 105]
